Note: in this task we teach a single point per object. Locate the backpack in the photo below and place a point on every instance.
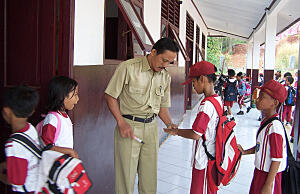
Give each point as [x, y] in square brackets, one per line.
[290, 100]
[231, 91]
[223, 167]
[58, 173]
[39, 126]
[248, 89]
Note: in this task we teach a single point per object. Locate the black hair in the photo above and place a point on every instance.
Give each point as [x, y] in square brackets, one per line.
[231, 72]
[59, 89]
[290, 79]
[240, 74]
[164, 44]
[211, 78]
[287, 74]
[22, 100]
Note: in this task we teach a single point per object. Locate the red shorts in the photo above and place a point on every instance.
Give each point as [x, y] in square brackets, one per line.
[199, 182]
[241, 100]
[228, 103]
[260, 177]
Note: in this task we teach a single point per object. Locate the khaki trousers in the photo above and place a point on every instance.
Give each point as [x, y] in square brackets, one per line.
[132, 157]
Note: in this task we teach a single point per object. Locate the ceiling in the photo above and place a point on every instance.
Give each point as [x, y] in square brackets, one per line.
[240, 17]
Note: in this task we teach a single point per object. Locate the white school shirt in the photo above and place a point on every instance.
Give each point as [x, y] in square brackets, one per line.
[65, 136]
[205, 123]
[271, 146]
[22, 165]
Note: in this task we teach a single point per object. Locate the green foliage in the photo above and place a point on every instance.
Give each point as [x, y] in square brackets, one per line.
[214, 50]
[283, 53]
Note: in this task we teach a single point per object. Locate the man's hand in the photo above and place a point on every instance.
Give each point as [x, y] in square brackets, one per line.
[173, 126]
[171, 131]
[125, 130]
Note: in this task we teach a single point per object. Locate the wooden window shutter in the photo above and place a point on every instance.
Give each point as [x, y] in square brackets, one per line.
[170, 10]
[189, 27]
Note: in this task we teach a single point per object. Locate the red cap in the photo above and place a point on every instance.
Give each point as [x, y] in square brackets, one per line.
[275, 89]
[200, 68]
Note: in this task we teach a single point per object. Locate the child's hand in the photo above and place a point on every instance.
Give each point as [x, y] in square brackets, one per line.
[171, 131]
[241, 149]
[266, 189]
[74, 154]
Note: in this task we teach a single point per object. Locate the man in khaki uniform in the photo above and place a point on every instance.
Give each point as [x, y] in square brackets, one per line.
[142, 86]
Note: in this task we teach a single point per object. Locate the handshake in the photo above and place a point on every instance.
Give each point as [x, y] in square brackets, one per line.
[171, 129]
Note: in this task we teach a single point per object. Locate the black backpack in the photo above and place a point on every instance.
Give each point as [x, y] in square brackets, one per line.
[231, 91]
[290, 99]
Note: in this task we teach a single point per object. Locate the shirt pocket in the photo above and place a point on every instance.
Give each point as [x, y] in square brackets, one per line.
[160, 91]
[137, 93]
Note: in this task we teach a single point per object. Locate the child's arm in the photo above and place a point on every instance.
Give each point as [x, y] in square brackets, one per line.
[64, 150]
[267, 188]
[186, 133]
[246, 152]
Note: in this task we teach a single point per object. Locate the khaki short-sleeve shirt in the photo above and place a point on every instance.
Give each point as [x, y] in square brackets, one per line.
[140, 90]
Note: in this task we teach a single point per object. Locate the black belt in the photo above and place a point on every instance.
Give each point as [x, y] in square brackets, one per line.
[138, 119]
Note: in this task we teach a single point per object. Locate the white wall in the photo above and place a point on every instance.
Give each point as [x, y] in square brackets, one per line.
[89, 32]
[152, 17]
[89, 28]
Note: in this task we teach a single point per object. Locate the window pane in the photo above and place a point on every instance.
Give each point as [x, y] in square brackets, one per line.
[135, 22]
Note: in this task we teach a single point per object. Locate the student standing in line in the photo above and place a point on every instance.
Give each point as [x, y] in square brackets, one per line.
[202, 75]
[57, 127]
[21, 165]
[270, 149]
[230, 93]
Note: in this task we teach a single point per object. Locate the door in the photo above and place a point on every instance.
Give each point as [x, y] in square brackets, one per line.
[34, 47]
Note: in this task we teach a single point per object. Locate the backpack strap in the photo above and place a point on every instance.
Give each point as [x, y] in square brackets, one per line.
[267, 122]
[28, 143]
[58, 125]
[219, 109]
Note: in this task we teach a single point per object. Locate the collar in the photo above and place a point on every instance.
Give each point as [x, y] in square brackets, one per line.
[275, 115]
[146, 65]
[24, 129]
[63, 114]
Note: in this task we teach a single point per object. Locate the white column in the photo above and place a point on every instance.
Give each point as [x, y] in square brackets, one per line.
[270, 44]
[249, 55]
[256, 52]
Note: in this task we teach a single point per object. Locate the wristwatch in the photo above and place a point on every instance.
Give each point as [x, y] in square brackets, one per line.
[168, 125]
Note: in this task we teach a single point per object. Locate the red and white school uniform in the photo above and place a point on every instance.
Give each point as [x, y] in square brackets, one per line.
[65, 136]
[287, 110]
[205, 124]
[22, 165]
[270, 146]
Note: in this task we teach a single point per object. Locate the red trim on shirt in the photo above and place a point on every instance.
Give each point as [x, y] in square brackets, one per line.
[63, 114]
[8, 146]
[48, 134]
[16, 170]
[201, 122]
[264, 151]
[276, 145]
[24, 129]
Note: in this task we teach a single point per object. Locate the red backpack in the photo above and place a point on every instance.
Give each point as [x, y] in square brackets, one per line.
[223, 167]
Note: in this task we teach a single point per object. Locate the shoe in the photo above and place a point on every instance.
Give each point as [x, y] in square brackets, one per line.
[292, 140]
[259, 119]
[248, 109]
[240, 113]
[232, 119]
[225, 113]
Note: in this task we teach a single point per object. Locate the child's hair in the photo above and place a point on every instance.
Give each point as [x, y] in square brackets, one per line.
[59, 89]
[211, 78]
[231, 72]
[290, 79]
[22, 100]
[287, 74]
[240, 74]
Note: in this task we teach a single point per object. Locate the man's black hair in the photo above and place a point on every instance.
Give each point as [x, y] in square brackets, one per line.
[59, 89]
[287, 74]
[231, 72]
[290, 79]
[22, 100]
[164, 44]
[240, 74]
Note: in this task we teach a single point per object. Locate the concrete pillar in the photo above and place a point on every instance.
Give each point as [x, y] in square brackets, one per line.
[270, 46]
[249, 60]
[255, 61]
[297, 115]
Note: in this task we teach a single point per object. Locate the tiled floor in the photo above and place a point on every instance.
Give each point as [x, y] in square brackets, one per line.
[174, 169]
